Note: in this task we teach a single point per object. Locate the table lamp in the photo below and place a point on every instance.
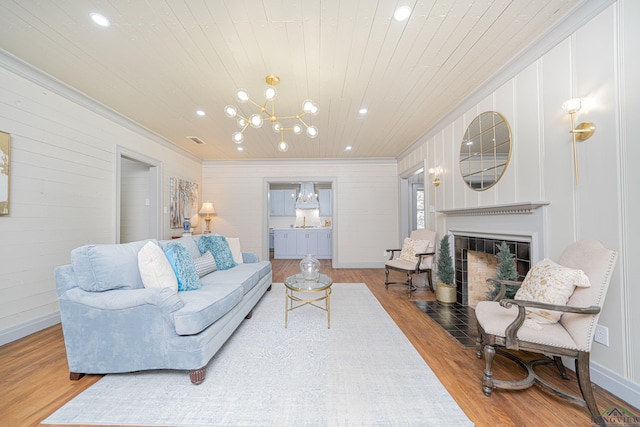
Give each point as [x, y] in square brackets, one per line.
[208, 210]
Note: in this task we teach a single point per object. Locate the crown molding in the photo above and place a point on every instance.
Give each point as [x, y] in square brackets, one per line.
[301, 161]
[29, 72]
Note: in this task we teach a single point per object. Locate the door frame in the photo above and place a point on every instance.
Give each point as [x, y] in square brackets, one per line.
[155, 190]
[266, 183]
[405, 192]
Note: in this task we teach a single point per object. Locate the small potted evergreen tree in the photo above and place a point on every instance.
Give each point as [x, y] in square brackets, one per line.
[506, 270]
[446, 287]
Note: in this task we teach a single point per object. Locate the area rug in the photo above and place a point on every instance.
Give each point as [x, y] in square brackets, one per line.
[362, 371]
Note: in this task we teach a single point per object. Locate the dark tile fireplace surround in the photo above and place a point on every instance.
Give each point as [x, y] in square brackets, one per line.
[522, 225]
[464, 244]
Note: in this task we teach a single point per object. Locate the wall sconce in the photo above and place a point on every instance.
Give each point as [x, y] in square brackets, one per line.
[435, 173]
[208, 210]
[582, 131]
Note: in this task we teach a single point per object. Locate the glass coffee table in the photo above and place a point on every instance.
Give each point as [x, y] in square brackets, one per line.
[296, 288]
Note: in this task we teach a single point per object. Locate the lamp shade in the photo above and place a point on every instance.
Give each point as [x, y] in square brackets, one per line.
[207, 209]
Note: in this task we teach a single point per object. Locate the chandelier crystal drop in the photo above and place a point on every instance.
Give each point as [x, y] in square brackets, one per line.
[267, 111]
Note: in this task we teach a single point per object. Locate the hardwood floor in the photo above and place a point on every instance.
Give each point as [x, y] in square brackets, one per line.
[34, 378]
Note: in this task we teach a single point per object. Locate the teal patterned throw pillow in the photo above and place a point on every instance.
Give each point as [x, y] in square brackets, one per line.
[183, 266]
[219, 247]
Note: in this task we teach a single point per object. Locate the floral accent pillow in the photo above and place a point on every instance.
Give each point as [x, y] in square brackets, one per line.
[551, 283]
[411, 247]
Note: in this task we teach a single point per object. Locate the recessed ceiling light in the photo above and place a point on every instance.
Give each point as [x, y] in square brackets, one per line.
[100, 19]
[240, 149]
[362, 111]
[201, 113]
[348, 148]
[402, 13]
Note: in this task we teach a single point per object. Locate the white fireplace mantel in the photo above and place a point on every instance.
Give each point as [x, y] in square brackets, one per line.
[503, 209]
[520, 221]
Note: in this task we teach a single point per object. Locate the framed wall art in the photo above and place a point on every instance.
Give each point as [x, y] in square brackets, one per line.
[5, 147]
[184, 201]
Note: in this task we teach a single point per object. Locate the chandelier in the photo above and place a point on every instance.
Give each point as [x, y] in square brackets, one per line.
[267, 111]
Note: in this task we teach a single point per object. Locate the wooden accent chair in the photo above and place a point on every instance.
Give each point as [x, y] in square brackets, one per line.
[412, 263]
[501, 324]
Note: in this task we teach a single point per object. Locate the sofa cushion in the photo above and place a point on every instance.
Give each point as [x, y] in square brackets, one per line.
[183, 266]
[155, 269]
[107, 266]
[247, 275]
[220, 250]
[206, 305]
[188, 242]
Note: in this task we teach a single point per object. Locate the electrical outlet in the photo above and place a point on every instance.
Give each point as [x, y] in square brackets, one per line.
[602, 335]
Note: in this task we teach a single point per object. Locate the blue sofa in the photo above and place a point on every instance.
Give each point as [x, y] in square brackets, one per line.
[112, 323]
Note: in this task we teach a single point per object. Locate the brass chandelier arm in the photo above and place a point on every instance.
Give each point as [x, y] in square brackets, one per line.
[265, 112]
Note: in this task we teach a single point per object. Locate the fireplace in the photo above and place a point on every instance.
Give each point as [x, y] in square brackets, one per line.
[475, 261]
[481, 230]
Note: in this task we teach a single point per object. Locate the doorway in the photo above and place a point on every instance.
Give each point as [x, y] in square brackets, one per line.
[138, 200]
[413, 202]
[289, 217]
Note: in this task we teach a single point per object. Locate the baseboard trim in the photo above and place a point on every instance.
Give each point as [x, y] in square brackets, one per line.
[360, 265]
[20, 331]
[615, 384]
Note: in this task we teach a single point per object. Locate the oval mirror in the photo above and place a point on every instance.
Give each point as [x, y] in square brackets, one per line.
[485, 150]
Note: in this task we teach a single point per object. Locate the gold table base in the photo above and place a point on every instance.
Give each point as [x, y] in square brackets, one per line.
[293, 301]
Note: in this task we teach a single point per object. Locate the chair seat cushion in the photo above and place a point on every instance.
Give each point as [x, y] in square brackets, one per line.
[401, 264]
[494, 320]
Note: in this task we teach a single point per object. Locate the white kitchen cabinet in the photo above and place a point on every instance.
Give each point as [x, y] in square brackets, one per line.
[307, 242]
[285, 244]
[282, 202]
[325, 246]
[324, 198]
[271, 239]
[296, 243]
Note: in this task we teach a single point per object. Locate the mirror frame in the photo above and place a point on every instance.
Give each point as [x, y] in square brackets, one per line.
[485, 150]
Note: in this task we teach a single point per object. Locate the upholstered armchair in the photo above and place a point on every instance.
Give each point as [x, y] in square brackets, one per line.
[530, 322]
[415, 257]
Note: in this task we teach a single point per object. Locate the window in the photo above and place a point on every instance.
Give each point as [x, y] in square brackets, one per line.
[419, 209]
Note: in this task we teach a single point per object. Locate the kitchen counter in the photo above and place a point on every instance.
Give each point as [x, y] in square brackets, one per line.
[301, 228]
[294, 243]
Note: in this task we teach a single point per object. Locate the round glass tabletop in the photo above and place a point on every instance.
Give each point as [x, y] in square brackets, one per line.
[298, 283]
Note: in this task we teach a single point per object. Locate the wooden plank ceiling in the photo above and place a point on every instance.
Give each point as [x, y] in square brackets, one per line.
[161, 60]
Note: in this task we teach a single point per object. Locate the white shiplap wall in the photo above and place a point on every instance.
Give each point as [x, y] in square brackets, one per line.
[597, 63]
[63, 157]
[365, 210]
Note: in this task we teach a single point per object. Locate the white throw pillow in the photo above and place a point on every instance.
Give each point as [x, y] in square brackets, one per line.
[550, 283]
[155, 270]
[411, 247]
[234, 245]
